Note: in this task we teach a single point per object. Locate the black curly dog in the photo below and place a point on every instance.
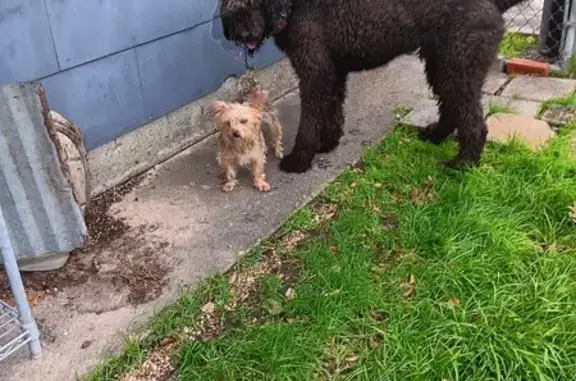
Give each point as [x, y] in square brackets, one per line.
[327, 39]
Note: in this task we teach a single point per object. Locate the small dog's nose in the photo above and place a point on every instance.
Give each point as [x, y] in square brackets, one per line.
[236, 134]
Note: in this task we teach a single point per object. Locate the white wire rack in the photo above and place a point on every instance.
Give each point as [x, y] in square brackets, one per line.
[17, 325]
[13, 335]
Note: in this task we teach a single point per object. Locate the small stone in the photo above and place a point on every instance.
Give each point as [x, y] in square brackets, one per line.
[208, 308]
[290, 294]
[533, 132]
[86, 344]
[511, 106]
[559, 116]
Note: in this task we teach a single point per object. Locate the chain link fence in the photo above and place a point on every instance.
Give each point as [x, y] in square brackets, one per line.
[538, 29]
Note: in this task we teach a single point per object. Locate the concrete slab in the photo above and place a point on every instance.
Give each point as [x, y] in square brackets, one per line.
[538, 88]
[203, 228]
[517, 106]
[424, 112]
[494, 82]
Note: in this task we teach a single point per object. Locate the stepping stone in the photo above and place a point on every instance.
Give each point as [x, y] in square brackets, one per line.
[538, 88]
[533, 132]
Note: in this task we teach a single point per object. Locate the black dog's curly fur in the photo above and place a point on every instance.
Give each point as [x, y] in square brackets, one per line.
[327, 39]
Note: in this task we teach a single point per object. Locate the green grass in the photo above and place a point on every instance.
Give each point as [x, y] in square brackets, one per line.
[568, 100]
[516, 44]
[491, 253]
[500, 108]
[569, 71]
[422, 274]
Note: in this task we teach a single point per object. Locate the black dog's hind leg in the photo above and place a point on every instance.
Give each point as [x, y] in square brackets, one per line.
[472, 130]
[322, 98]
[459, 70]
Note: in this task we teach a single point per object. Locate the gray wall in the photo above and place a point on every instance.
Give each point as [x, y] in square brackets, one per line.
[112, 65]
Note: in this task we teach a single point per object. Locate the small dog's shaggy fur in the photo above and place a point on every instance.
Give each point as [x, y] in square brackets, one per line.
[246, 86]
[327, 39]
[241, 140]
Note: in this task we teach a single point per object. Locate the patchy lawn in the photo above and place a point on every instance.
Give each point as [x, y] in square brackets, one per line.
[400, 271]
[514, 45]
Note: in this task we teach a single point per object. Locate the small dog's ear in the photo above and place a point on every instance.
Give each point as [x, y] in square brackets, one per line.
[217, 109]
[258, 99]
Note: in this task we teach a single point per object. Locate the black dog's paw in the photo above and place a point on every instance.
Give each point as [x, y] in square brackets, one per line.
[459, 163]
[330, 140]
[430, 133]
[296, 162]
[328, 146]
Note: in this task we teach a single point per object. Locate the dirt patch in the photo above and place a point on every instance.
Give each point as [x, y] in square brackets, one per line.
[104, 228]
[117, 259]
[131, 270]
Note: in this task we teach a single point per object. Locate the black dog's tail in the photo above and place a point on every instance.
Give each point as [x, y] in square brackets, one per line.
[504, 5]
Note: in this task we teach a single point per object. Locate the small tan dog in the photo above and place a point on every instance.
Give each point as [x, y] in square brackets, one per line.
[241, 140]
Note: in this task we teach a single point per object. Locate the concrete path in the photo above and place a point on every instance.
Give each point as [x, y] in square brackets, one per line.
[180, 218]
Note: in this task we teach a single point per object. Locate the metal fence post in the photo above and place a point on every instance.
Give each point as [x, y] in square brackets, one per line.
[569, 32]
[17, 287]
[551, 28]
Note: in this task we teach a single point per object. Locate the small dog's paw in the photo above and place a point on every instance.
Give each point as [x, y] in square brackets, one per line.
[296, 162]
[263, 186]
[279, 152]
[229, 186]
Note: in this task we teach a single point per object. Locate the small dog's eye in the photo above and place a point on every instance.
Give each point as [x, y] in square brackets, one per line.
[243, 121]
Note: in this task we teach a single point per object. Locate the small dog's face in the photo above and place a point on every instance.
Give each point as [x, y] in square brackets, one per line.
[240, 124]
[244, 23]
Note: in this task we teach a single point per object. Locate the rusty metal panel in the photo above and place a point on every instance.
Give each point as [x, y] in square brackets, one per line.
[36, 199]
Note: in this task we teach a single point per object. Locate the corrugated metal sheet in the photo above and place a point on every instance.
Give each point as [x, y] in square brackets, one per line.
[36, 199]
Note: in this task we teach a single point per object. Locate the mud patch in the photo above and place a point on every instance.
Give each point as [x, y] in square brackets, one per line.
[104, 228]
[120, 265]
[132, 270]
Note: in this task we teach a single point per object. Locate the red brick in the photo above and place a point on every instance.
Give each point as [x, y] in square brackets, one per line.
[524, 66]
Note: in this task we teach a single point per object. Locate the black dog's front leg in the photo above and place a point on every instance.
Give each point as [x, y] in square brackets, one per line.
[332, 129]
[321, 118]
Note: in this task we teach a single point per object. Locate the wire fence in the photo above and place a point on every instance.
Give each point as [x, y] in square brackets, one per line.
[536, 29]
